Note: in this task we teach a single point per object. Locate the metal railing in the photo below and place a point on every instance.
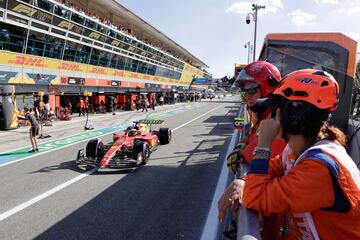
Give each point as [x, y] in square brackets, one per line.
[248, 224]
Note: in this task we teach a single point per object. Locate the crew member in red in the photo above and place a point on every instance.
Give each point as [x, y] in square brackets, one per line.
[81, 105]
[257, 80]
[314, 181]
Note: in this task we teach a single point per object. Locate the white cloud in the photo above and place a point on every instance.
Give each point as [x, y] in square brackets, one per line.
[244, 7]
[341, 10]
[329, 2]
[354, 35]
[301, 18]
[354, 9]
[350, 9]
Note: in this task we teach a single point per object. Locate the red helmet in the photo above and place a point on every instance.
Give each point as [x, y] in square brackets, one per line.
[314, 86]
[263, 73]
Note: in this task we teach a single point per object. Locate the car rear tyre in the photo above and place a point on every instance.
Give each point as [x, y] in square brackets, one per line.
[93, 148]
[141, 153]
[164, 135]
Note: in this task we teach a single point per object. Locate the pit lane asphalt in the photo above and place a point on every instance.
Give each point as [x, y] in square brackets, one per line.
[167, 199]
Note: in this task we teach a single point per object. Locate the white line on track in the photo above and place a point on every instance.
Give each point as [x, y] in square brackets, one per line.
[44, 195]
[211, 226]
[77, 142]
[48, 193]
[72, 121]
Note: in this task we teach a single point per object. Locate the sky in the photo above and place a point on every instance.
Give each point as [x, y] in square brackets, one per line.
[215, 30]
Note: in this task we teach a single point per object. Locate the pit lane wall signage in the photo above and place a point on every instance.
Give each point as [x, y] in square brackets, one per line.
[238, 122]
[62, 70]
[189, 73]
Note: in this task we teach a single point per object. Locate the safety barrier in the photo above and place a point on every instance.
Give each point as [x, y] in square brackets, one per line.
[248, 225]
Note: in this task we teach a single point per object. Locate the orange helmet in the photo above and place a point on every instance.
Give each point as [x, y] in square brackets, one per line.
[263, 73]
[314, 86]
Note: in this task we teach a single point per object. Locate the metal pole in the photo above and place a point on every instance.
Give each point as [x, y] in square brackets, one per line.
[254, 14]
[255, 20]
[249, 51]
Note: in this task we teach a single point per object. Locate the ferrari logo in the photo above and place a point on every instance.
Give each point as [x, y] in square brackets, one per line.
[255, 68]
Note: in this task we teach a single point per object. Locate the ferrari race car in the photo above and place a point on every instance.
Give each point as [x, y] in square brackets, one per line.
[131, 148]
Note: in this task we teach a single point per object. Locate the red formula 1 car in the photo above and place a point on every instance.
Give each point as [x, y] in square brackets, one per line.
[129, 149]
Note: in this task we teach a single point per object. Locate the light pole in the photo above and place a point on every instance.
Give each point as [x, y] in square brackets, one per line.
[249, 47]
[255, 9]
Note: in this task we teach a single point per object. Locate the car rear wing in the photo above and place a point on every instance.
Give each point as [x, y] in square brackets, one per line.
[151, 121]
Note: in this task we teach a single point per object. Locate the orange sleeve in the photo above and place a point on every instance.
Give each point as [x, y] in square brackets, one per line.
[307, 187]
[275, 167]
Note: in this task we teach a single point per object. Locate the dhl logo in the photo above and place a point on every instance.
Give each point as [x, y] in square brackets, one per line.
[98, 70]
[70, 67]
[65, 24]
[156, 79]
[28, 61]
[118, 73]
[187, 68]
[133, 75]
[146, 77]
[94, 35]
[25, 10]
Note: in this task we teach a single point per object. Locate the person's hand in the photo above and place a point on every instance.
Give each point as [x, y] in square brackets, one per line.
[236, 157]
[231, 198]
[268, 130]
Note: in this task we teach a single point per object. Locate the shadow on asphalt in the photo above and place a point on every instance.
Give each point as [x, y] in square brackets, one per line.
[155, 202]
[69, 165]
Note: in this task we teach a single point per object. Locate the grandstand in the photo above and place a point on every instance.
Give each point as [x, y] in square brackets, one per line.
[68, 47]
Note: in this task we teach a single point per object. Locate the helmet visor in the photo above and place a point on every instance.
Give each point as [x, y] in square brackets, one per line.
[242, 78]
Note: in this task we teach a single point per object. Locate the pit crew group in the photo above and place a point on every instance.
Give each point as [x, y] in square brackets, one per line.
[300, 178]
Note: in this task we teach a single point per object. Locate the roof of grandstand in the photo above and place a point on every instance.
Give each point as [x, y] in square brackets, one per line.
[121, 16]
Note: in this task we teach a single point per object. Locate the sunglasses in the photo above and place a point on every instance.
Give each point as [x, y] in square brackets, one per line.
[250, 91]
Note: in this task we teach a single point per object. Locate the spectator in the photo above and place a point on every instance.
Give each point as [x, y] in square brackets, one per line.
[81, 106]
[86, 105]
[138, 103]
[144, 103]
[69, 105]
[152, 101]
[314, 182]
[114, 105]
[102, 107]
[46, 110]
[33, 130]
[161, 100]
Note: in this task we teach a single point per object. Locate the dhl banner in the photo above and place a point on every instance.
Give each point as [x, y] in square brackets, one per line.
[61, 68]
[189, 73]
